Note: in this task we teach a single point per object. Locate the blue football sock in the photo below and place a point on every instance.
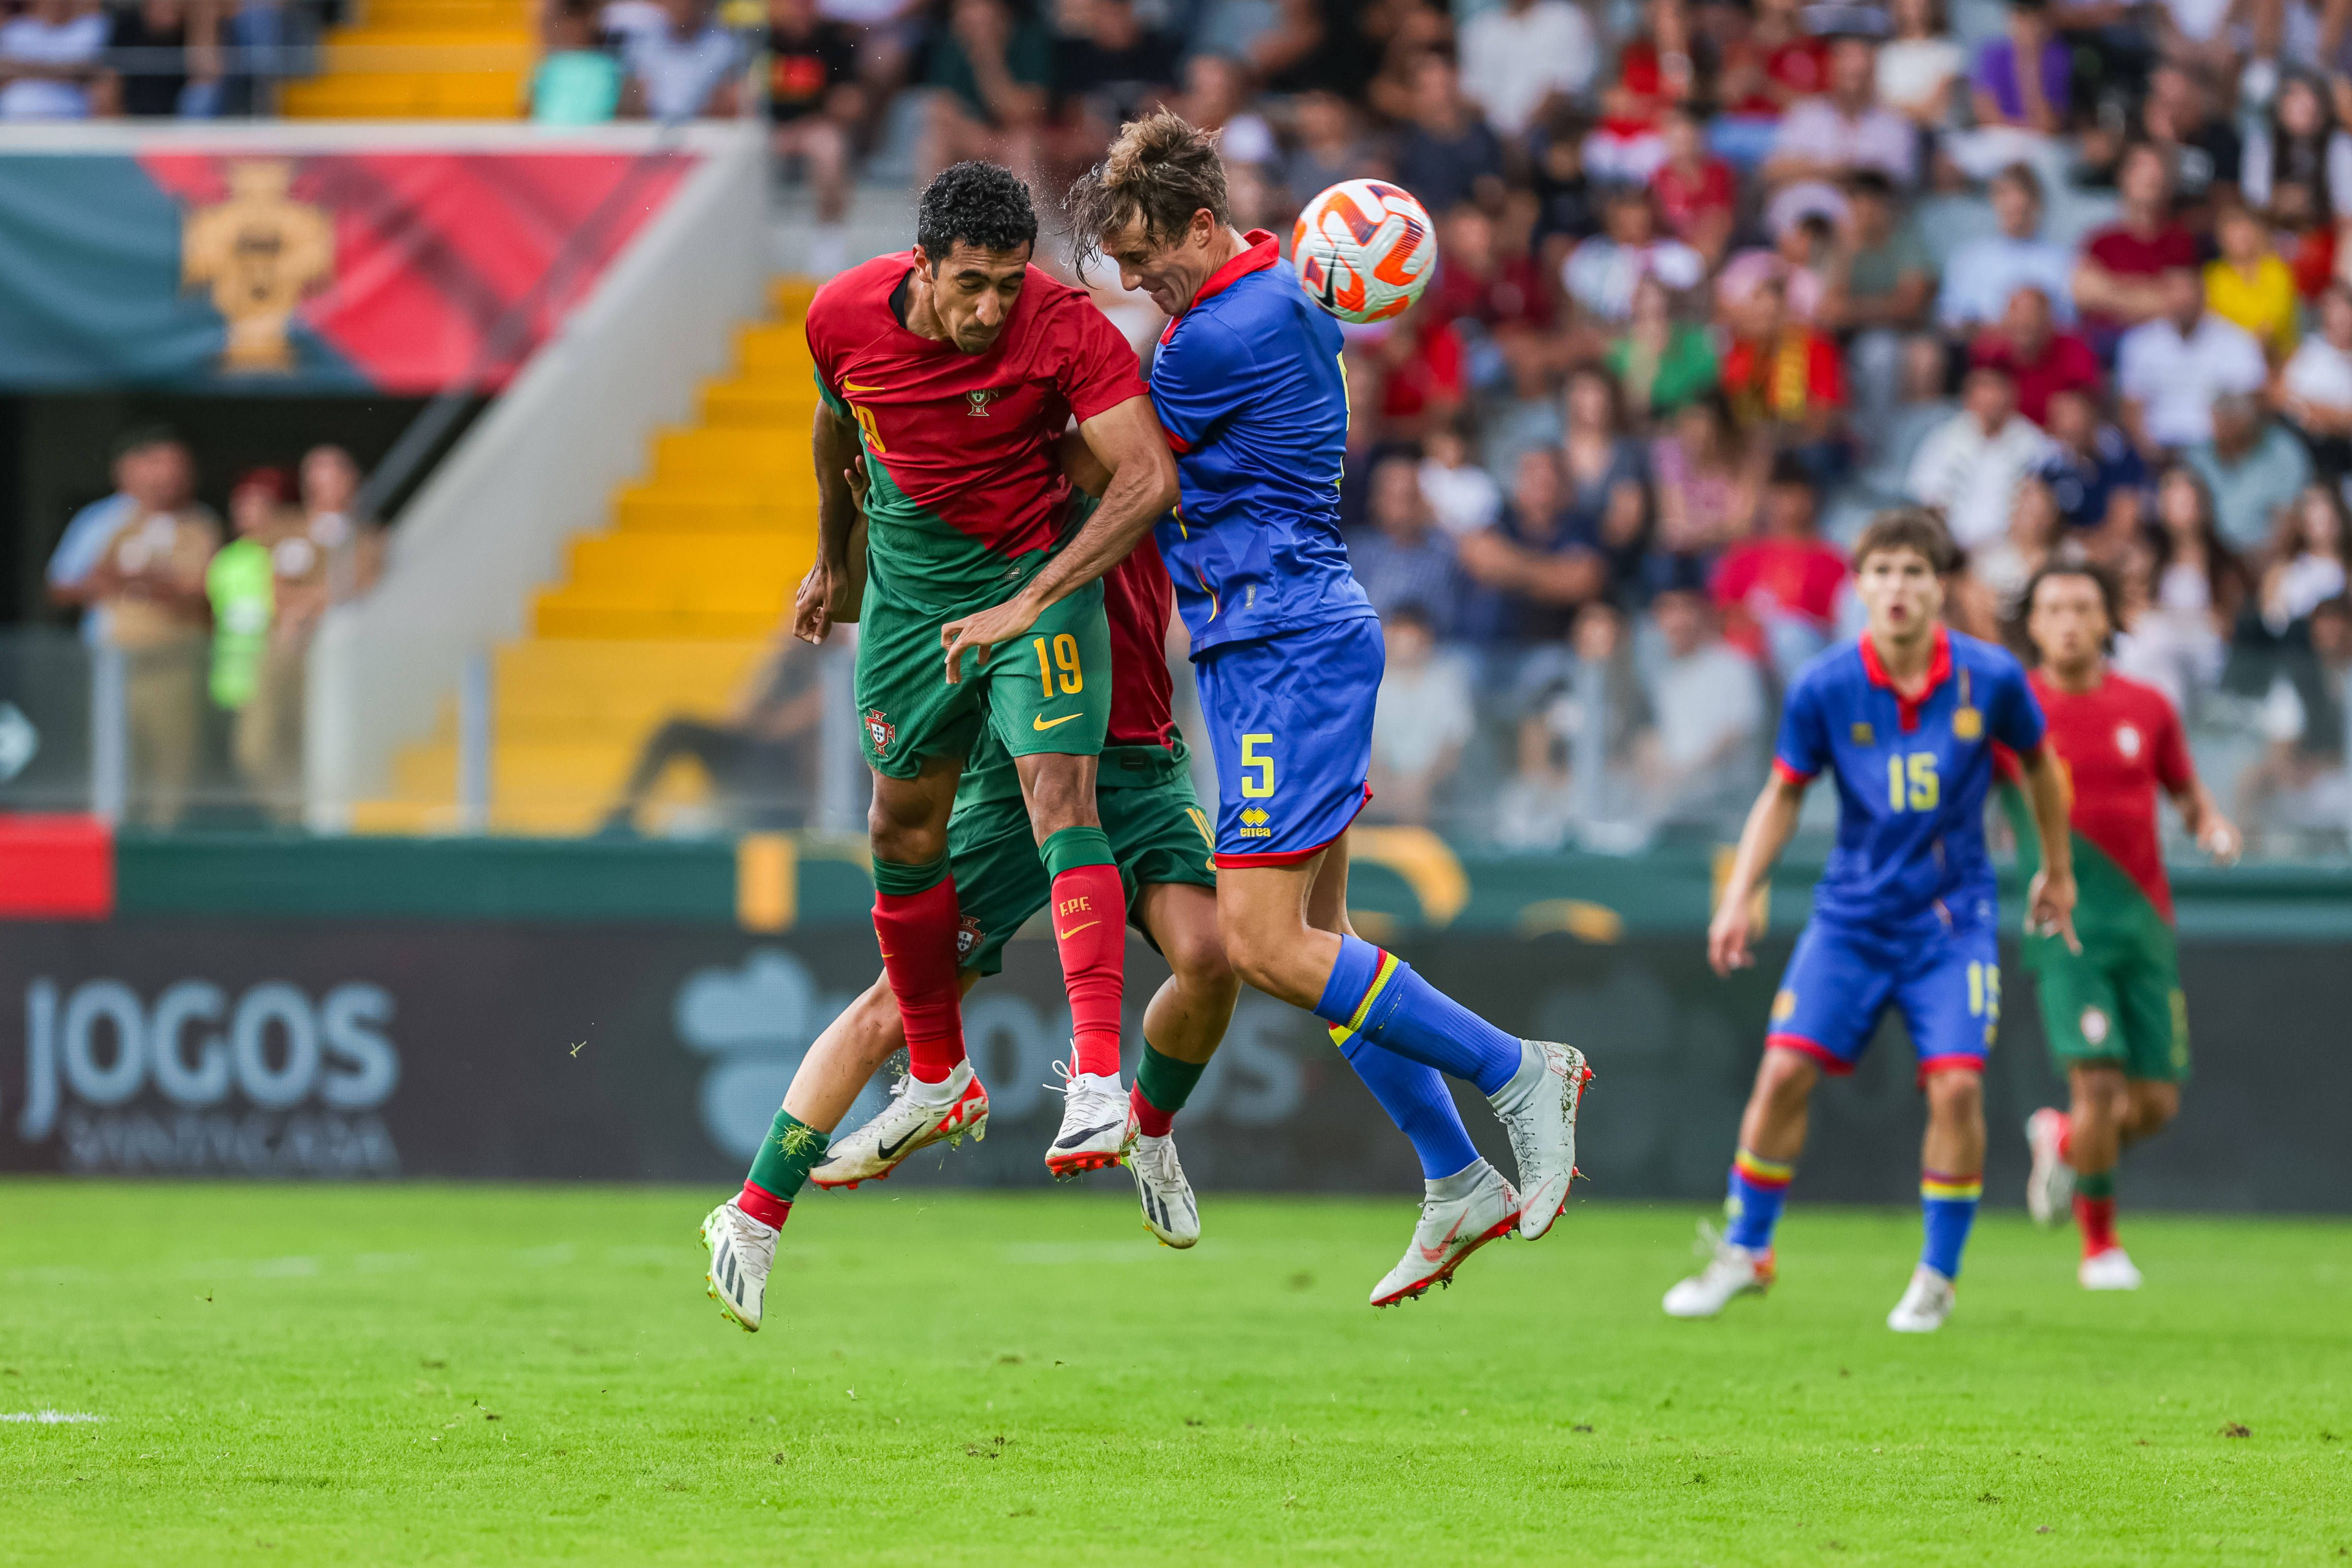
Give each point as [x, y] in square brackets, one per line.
[1416, 1100]
[1948, 1204]
[1375, 994]
[1753, 1206]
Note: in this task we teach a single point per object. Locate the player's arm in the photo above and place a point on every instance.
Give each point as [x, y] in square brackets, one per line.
[2049, 900]
[2202, 816]
[1127, 440]
[832, 590]
[1771, 823]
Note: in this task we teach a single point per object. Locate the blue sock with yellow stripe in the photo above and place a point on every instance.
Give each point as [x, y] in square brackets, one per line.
[1948, 1204]
[1417, 1101]
[1376, 994]
[1752, 1207]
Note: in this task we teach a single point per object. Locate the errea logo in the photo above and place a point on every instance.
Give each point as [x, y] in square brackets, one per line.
[1254, 823]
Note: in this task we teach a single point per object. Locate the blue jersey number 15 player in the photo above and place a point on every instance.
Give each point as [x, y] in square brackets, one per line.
[1248, 384]
[1905, 719]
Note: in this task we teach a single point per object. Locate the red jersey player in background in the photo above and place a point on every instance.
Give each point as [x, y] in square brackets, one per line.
[2118, 1022]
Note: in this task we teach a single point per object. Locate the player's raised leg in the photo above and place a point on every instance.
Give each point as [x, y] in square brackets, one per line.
[1181, 1028]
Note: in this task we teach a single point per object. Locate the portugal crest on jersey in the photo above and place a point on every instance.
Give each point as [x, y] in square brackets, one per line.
[883, 731]
[979, 401]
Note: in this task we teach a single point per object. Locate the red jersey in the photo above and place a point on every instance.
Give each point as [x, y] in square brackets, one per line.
[1137, 599]
[2067, 364]
[2120, 740]
[960, 447]
[1792, 577]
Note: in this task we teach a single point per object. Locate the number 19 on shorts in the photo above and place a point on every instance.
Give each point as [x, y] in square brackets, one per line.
[1064, 663]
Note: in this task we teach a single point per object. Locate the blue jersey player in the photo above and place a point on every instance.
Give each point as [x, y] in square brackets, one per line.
[1288, 654]
[1905, 719]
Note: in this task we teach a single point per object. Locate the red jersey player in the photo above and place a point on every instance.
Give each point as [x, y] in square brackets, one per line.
[2118, 1022]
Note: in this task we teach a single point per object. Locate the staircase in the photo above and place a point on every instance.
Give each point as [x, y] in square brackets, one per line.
[666, 613]
[422, 59]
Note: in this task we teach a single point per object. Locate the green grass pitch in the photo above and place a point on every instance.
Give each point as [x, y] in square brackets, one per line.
[499, 1375]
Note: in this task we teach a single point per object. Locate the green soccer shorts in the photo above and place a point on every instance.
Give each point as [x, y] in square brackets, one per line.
[2117, 1003]
[1158, 835]
[1047, 692]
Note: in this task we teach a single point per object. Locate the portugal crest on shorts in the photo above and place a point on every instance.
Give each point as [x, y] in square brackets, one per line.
[881, 730]
[969, 936]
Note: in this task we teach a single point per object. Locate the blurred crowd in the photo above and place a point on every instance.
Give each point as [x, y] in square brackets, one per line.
[206, 630]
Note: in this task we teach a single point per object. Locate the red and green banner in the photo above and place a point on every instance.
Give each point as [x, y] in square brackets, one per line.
[255, 271]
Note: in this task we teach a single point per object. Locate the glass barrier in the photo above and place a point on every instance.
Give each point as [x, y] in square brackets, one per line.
[1613, 747]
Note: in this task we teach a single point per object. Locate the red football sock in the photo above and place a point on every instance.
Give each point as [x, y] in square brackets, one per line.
[1149, 1119]
[763, 1206]
[2096, 1217]
[918, 931]
[1090, 929]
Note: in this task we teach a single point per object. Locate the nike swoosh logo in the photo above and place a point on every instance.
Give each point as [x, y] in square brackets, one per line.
[1042, 721]
[1434, 1253]
[1074, 930]
[890, 1151]
[1076, 1138]
[853, 386]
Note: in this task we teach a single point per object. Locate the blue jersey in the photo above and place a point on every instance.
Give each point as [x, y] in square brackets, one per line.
[1911, 779]
[1249, 386]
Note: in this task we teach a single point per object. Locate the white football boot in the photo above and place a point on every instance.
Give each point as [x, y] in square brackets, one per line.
[1538, 1108]
[1453, 1226]
[742, 1250]
[1169, 1211]
[1095, 1125]
[919, 1116]
[2050, 1187]
[1730, 1273]
[1926, 1303]
[2110, 1271]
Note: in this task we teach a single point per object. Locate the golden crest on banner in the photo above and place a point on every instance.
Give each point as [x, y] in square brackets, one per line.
[260, 251]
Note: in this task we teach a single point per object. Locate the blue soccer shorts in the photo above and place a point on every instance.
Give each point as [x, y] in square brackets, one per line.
[1841, 980]
[1290, 723]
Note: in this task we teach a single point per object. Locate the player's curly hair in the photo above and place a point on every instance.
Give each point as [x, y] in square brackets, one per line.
[1912, 528]
[978, 204]
[1163, 168]
[2111, 599]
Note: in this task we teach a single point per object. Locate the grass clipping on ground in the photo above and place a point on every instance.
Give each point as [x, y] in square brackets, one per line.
[532, 1374]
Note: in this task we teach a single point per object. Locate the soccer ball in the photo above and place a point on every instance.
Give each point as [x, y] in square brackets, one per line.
[1364, 249]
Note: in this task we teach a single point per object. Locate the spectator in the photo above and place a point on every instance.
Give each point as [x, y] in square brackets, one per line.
[237, 584]
[2118, 283]
[170, 52]
[350, 546]
[1423, 374]
[1496, 300]
[150, 473]
[2299, 142]
[1970, 469]
[1661, 363]
[2305, 240]
[1110, 70]
[1596, 453]
[1696, 192]
[2022, 80]
[2251, 468]
[1582, 712]
[1519, 56]
[266, 742]
[2094, 473]
[148, 585]
[575, 82]
[1538, 562]
[52, 62]
[1567, 212]
[1701, 763]
[1993, 595]
[1778, 591]
[1421, 720]
[2249, 285]
[2196, 589]
[1216, 98]
[988, 73]
[2314, 389]
[2037, 360]
[1918, 69]
[1447, 155]
[2302, 782]
[2168, 371]
[688, 67]
[1786, 383]
[1461, 496]
[2308, 556]
[1653, 71]
[1982, 274]
[1405, 557]
[1707, 493]
[1823, 139]
[1876, 285]
[1600, 276]
[761, 757]
[2202, 147]
[1330, 148]
[816, 104]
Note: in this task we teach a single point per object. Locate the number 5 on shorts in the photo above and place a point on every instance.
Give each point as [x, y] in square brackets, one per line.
[1259, 788]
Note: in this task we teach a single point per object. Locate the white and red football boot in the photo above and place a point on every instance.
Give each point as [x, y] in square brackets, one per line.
[1451, 1226]
[919, 1116]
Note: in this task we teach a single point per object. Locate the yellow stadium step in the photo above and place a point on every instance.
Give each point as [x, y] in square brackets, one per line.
[411, 95]
[668, 613]
[422, 59]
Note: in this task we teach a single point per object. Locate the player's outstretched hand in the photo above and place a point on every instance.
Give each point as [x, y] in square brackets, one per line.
[1726, 937]
[982, 634]
[2050, 909]
[813, 605]
[2218, 836]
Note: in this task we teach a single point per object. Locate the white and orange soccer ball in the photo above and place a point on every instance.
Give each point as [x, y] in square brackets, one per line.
[1365, 250]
